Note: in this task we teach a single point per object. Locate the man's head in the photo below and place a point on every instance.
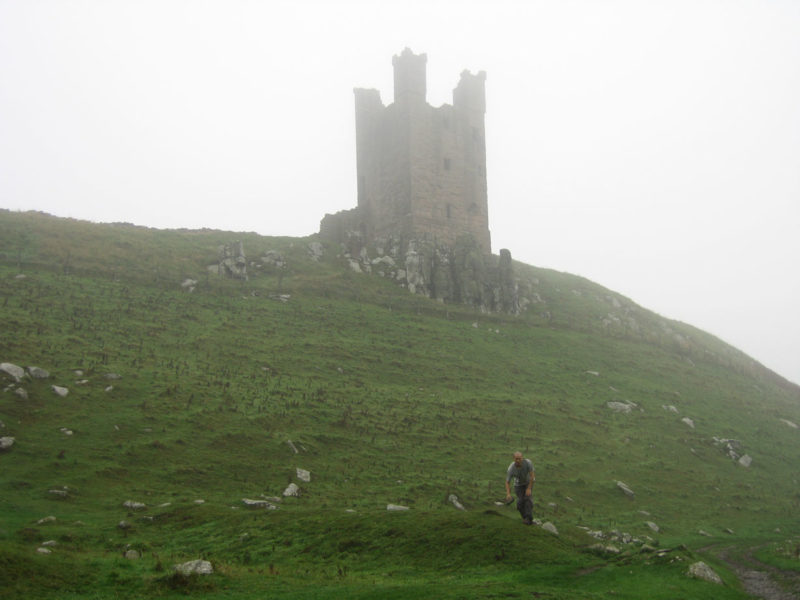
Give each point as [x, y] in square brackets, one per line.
[518, 458]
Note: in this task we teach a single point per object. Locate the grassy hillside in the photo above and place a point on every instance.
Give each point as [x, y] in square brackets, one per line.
[386, 398]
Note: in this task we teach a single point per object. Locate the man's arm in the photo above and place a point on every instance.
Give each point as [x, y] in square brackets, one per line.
[531, 479]
[508, 490]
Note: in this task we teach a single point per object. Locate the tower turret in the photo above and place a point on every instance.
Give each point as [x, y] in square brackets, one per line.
[409, 76]
[470, 94]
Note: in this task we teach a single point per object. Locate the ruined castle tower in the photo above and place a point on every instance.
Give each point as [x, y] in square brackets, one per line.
[421, 170]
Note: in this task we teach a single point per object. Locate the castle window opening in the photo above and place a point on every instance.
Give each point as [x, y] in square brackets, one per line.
[448, 212]
[447, 165]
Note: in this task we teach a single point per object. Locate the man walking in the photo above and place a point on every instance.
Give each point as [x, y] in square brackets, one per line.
[522, 470]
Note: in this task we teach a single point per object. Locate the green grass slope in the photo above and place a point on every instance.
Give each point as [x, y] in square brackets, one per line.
[386, 398]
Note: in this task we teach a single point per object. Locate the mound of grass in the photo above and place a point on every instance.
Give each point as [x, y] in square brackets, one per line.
[188, 402]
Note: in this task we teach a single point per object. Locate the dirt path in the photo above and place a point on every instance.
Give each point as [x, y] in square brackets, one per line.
[759, 579]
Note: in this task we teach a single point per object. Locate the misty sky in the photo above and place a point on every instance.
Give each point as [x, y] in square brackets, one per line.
[650, 146]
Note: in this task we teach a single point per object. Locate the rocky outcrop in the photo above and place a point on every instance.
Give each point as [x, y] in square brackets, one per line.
[457, 274]
[232, 262]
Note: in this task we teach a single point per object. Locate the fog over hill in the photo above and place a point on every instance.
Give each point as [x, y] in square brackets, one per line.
[650, 147]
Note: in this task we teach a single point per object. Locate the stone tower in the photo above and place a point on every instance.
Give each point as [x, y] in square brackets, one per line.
[421, 170]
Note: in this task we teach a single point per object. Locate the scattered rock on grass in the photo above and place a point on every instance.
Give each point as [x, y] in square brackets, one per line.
[12, 370]
[38, 373]
[195, 567]
[550, 527]
[60, 391]
[6, 442]
[291, 490]
[303, 475]
[258, 504]
[453, 499]
[701, 570]
[625, 489]
[396, 507]
[131, 505]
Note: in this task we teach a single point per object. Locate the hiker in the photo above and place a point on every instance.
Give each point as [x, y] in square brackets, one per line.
[522, 470]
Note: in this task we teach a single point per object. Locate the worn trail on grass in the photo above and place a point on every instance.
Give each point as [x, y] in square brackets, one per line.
[759, 579]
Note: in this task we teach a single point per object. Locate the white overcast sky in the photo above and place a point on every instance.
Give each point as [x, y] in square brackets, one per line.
[650, 146]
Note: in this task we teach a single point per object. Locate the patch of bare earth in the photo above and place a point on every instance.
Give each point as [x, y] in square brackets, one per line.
[759, 579]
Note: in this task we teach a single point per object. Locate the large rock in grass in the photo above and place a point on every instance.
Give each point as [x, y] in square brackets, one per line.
[195, 567]
[625, 489]
[621, 407]
[12, 370]
[701, 570]
[38, 373]
[60, 391]
[6, 442]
